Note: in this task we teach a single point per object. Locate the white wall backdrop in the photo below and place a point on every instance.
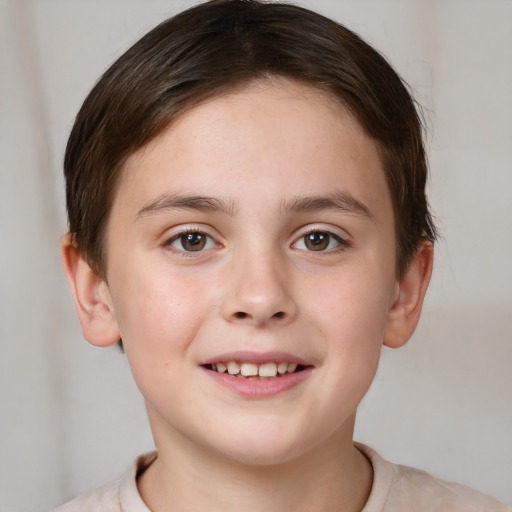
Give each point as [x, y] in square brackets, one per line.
[70, 417]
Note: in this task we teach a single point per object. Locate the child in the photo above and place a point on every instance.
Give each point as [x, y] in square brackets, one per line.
[247, 213]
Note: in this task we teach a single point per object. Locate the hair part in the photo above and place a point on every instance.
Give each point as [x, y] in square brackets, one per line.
[218, 47]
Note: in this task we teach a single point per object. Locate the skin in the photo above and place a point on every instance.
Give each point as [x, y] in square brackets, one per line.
[256, 286]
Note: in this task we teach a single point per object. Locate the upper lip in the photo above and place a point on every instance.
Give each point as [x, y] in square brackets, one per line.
[246, 356]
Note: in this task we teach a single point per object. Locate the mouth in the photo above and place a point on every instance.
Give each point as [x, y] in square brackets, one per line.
[258, 375]
[253, 371]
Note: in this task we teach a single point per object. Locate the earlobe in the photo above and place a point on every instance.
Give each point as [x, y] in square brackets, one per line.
[411, 289]
[91, 297]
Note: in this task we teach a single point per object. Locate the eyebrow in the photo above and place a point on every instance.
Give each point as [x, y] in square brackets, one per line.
[335, 201]
[205, 204]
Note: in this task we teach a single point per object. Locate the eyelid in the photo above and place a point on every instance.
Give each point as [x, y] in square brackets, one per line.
[342, 238]
[179, 231]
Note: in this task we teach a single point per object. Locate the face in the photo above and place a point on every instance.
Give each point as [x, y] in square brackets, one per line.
[251, 271]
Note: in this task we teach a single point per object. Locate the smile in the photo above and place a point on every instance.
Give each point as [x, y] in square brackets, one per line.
[257, 375]
[269, 370]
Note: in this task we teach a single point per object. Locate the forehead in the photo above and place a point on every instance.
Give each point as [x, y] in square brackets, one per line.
[275, 137]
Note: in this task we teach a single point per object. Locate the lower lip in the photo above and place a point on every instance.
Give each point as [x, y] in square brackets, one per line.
[256, 388]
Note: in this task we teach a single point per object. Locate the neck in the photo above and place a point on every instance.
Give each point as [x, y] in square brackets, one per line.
[334, 476]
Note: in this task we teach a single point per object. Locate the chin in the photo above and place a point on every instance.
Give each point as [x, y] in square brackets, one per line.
[261, 456]
[262, 446]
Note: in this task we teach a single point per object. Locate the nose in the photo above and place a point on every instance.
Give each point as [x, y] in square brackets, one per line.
[259, 292]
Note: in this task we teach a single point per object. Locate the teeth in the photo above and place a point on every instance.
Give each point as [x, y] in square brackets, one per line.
[233, 368]
[264, 370]
[292, 367]
[267, 370]
[282, 367]
[249, 369]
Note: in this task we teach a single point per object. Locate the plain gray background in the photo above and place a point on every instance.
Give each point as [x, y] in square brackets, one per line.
[70, 416]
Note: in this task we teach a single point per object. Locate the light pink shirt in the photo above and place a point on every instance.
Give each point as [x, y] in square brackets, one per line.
[395, 489]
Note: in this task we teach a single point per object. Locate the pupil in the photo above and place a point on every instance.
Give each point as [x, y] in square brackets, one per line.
[193, 241]
[317, 241]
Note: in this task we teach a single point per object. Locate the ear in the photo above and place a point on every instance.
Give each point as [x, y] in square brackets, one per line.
[91, 297]
[411, 288]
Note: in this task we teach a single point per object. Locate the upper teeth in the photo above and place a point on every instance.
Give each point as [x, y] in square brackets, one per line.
[252, 370]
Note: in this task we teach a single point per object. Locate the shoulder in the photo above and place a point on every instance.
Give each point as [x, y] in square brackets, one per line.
[435, 494]
[119, 496]
[399, 488]
[103, 498]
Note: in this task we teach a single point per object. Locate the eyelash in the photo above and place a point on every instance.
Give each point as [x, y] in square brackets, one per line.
[189, 231]
[342, 243]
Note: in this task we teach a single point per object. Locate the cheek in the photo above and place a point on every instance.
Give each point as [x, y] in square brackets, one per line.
[352, 309]
[158, 309]
[158, 317]
[352, 315]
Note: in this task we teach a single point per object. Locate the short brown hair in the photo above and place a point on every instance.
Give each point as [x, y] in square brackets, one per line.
[212, 49]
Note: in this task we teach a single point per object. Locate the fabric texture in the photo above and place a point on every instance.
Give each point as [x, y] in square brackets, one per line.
[395, 488]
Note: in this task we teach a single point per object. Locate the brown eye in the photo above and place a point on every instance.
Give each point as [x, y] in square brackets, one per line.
[317, 241]
[193, 241]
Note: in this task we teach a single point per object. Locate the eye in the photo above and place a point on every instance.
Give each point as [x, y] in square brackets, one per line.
[319, 241]
[191, 241]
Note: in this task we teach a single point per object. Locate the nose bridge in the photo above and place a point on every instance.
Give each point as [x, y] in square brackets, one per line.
[260, 288]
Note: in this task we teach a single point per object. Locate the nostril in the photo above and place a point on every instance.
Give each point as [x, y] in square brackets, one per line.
[242, 315]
